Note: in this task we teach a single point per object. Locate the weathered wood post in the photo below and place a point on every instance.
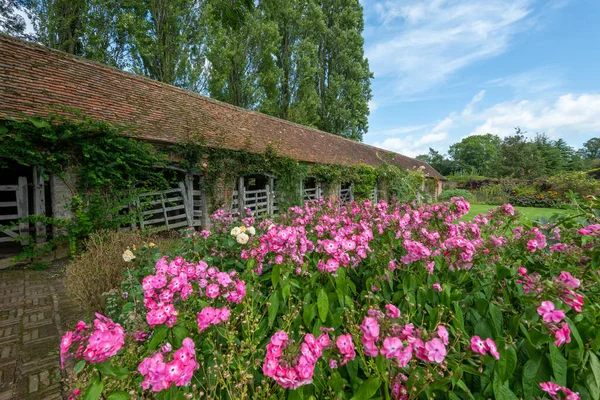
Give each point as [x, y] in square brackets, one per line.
[204, 221]
[271, 196]
[39, 204]
[241, 195]
[188, 203]
[23, 209]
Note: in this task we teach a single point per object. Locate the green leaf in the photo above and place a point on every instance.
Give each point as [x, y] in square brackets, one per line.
[595, 366]
[39, 123]
[120, 395]
[497, 320]
[79, 366]
[530, 371]
[576, 336]
[322, 305]
[559, 365]
[507, 363]
[93, 392]
[160, 333]
[310, 312]
[367, 389]
[502, 391]
[180, 334]
[459, 319]
[273, 307]
[275, 275]
[297, 394]
[107, 369]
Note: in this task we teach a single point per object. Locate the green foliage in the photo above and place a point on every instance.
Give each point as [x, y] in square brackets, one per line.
[399, 183]
[578, 182]
[300, 60]
[514, 156]
[108, 168]
[448, 194]
[484, 298]
[441, 164]
[476, 153]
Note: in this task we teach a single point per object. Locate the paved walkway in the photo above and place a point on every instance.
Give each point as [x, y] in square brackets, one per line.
[34, 312]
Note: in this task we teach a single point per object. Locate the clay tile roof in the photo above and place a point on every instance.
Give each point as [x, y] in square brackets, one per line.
[35, 80]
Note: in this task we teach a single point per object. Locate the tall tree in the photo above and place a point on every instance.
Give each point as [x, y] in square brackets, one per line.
[11, 21]
[439, 162]
[59, 24]
[476, 153]
[518, 157]
[240, 43]
[166, 41]
[591, 149]
[300, 23]
[343, 72]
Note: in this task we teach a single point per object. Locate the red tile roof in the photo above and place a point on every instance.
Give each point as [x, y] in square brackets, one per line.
[35, 80]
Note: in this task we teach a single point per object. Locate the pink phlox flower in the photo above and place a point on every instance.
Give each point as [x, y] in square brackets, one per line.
[549, 313]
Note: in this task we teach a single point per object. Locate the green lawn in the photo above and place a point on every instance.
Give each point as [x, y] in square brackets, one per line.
[527, 213]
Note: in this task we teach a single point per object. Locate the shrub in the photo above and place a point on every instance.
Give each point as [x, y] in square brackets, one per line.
[365, 301]
[578, 182]
[491, 194]
[101, 267]
[448, 194]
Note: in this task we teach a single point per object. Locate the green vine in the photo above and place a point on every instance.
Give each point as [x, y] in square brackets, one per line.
[107, 166]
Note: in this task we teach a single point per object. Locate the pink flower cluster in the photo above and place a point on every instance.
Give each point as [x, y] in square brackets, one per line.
[553, 389]
[103, 342]
[292, 366]
[552, 317]
[536, 240]
[481, 346]
[399, 342]
[346, 348]
[159, 375]
[212, 316]
[591, 230]
[173, 281]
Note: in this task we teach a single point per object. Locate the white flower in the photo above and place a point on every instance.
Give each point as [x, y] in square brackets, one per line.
[235, 231]
[251, 230]
[242, 238]
[128, 255]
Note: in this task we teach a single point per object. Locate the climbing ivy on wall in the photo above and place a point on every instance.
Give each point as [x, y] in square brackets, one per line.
[108, 162]
[105, 163]
[223, 165]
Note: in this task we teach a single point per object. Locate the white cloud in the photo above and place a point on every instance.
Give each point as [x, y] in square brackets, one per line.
[468, 110]
[573, 117]
[373, 105]
[422, 43]
[412, 146]
[537, 81]
[402, 130]
[569, 115]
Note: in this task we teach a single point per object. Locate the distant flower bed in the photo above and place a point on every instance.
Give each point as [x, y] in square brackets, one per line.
[363, 301]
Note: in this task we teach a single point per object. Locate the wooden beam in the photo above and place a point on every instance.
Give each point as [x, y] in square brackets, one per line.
[23, 208]
[241, 195]
[39, 204]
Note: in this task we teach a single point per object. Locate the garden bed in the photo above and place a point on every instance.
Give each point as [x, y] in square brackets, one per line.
[364, 301]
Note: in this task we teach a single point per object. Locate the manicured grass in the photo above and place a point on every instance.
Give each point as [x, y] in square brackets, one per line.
[527, 213]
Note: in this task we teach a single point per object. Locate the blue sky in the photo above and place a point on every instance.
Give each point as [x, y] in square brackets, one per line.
[446, 69]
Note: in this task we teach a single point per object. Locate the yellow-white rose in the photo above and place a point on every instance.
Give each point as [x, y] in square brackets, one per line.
[128, 255]
[251, 231]
[242, 238]
[235, 231]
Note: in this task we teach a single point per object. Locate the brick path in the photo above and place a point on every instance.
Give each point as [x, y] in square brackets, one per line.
[34, 311]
